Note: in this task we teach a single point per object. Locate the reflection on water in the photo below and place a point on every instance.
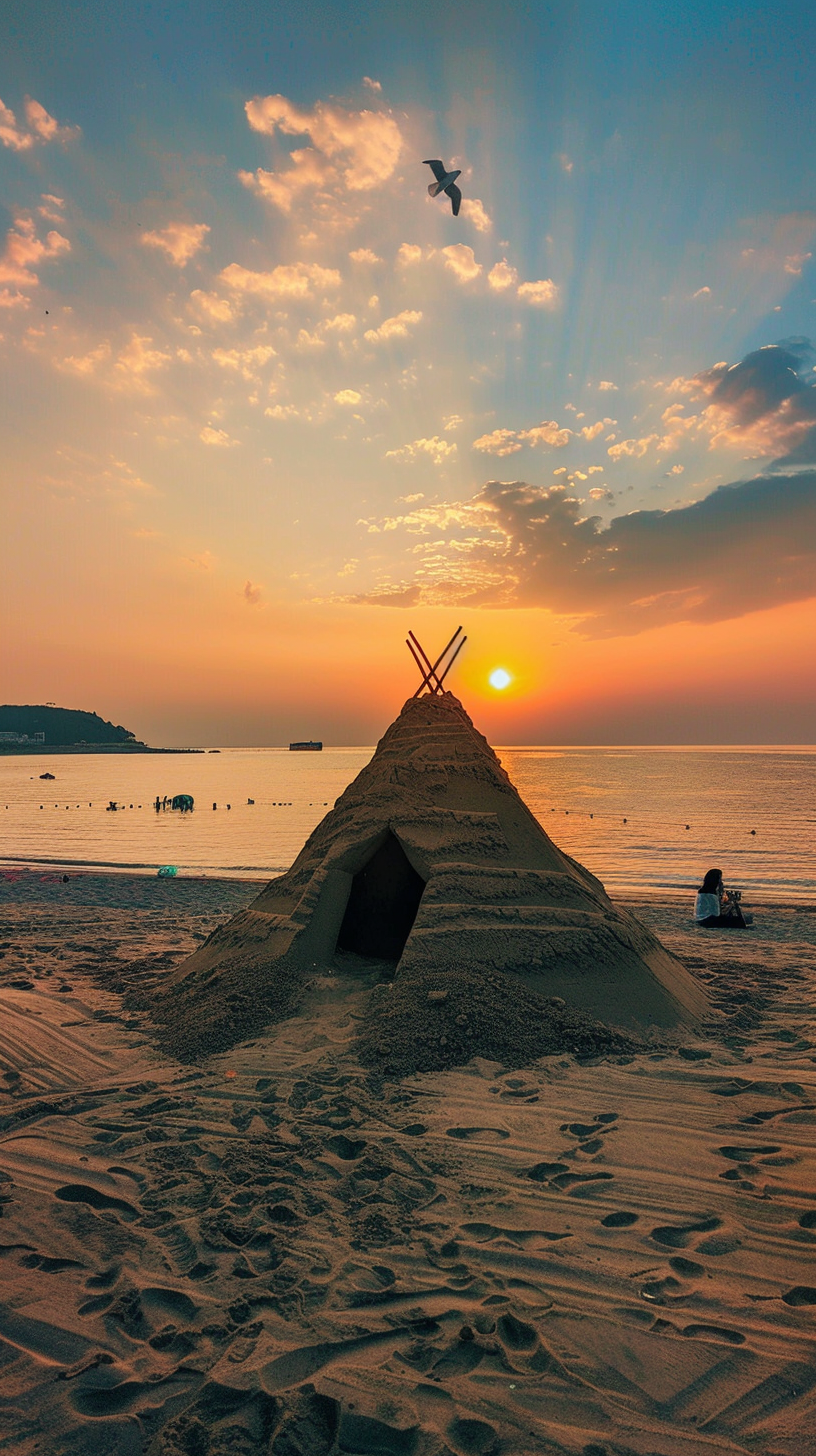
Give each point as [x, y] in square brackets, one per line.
[638, 818]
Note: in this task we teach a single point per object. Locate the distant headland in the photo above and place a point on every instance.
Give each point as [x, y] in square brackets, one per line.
[47, 729]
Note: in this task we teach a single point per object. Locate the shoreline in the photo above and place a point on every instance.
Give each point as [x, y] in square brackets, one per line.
[629, 895]
[40, 750]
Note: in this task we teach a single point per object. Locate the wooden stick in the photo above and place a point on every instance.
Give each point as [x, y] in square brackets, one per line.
[452, 661]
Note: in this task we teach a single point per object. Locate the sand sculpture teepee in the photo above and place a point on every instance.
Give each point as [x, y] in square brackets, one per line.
[431, 864]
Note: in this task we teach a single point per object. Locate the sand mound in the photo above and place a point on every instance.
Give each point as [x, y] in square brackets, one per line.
[431, 864]
[427, 1022]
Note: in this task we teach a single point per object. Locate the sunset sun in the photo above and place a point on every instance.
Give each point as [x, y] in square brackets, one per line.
[499, 678]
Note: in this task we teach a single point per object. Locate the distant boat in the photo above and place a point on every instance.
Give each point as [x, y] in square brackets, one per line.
[305, 747]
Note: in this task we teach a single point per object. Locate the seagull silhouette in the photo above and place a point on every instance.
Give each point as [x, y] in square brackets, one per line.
[445, 182]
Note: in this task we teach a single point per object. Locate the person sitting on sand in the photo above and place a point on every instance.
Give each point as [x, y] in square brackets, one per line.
[708, 907]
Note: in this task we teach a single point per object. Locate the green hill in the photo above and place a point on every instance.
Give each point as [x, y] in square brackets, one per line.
[62, 727]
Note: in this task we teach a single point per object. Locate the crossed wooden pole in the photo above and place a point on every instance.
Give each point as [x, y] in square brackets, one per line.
[432, 678]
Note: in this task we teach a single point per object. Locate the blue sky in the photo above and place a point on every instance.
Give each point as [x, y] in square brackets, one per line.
[252, 374]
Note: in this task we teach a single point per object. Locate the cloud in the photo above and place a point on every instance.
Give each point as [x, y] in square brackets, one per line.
[507, 442]
[342, 323]
[364, 255]
[498, 442]
[244, 361]
[745, 547]
[473, 210]
[607, 384]
[565, 163]
[460, 260]
[632, 449]
[204, 560]
[87, 364]
[25, 252]
[135, 362]
[408, 254]
[600, 493]
[288, 280]
[351, 151]
[704, 292]
[347, 396]
[52, 208]
[452, 422]
[39, 127]
[502, 276]
[438, 449]
[252, 593]
[397, 327]
[179, 240]
[543, 294]
[217, 310]
[219, 438]
[761, 405]
[372, 85]
[795, 262]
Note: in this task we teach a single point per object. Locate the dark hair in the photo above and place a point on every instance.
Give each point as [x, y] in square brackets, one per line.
[711, 883]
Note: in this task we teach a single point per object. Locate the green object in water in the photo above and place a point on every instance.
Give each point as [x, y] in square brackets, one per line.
[167, 872]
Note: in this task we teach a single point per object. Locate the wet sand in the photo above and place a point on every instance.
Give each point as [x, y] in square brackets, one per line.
[278, 1251]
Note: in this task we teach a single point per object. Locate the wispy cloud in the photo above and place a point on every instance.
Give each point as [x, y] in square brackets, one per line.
[38, 128]
[397, 327]
[179, 241]
[288, 280]
[437, 449]
[508, 442]
[541, 294]
[351, 151]
[219, 438]
[25, 253]
[475, 212]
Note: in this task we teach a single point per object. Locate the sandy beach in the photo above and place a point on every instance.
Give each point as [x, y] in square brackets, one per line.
[279, 1250]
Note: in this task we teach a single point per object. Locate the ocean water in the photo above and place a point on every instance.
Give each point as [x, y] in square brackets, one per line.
[641, 819]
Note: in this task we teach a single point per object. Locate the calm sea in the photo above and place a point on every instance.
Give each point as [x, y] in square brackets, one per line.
[638, 818]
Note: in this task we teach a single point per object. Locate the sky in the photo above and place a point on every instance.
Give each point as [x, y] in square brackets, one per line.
[266, 405]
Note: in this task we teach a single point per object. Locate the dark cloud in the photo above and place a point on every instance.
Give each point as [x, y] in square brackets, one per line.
[745, 547]
[769, 397]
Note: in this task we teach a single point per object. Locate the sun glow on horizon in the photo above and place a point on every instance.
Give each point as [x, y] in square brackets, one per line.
[500, 678]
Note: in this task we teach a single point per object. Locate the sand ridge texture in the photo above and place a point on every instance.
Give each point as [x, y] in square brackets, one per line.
[279, 1253]
[431, 860]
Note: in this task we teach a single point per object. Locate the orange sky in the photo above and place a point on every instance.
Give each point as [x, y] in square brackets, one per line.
[265, 404]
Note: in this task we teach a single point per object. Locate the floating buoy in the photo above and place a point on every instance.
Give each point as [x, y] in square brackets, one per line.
[626, 821]
[753, 831]
[688, 826]
[250, 801]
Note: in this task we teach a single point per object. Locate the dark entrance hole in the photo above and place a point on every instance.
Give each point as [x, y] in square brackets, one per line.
[382, 906]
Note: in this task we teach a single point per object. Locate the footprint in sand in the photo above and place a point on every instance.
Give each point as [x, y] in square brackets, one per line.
[414, 1129]
[678, 1236]
[808, 1220]
[348, 1149]
[477, 1134]
[799, 1295]
[686, 1267]
[619, 1220]
[82, 1193]
[486, 1233]
[720, 1333]
[543, 1172]
[474, 1438]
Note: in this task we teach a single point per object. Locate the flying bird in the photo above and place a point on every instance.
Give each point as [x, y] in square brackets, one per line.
[445, 182]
